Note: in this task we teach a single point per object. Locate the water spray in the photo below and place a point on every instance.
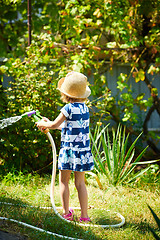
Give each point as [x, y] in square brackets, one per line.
[9, 121]
[37, 117]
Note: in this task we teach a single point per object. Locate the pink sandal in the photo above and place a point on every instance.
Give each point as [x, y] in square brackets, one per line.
[69, 216]
[86, 220]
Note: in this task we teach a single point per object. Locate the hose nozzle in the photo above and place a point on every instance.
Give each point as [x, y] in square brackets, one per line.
[29, 114]
[37, 117]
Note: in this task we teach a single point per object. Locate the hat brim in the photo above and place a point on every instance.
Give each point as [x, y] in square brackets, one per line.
[60, 82]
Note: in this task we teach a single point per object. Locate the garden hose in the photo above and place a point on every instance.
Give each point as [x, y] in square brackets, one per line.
[38, 117]
[52, 193]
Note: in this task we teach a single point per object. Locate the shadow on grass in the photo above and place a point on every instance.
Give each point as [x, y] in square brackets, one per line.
[104, 217]
[44, 219]
[142, 228]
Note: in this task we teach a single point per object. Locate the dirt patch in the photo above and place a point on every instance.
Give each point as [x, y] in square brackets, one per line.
[11, 236]
[10, 231]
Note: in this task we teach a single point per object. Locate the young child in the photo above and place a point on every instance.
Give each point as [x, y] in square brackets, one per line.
[75, 153]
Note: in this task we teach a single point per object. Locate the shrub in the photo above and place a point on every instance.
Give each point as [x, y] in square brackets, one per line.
[23, 146]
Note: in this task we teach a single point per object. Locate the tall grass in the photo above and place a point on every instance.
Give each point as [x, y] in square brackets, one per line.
[113, 156]
[157, 219]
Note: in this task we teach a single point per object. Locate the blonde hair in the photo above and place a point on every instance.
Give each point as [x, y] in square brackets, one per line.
[68, 99]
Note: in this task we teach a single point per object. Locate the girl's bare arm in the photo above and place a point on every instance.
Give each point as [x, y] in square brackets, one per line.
[44, 123]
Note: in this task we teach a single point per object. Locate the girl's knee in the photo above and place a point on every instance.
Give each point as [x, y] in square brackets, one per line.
[64, 177]
[79, 179]
[79, 184]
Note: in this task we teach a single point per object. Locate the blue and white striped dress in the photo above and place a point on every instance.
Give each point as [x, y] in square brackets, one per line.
[75, 153]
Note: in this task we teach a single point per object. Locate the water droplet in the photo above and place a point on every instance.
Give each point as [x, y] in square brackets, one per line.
[9, 121]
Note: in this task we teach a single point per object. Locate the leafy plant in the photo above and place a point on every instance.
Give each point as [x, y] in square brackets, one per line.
[88, 37]
[113, 157]
[23, 146]
[157, 221]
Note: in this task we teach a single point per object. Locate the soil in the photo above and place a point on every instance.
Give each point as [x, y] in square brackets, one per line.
[9, 231]
[11, 236]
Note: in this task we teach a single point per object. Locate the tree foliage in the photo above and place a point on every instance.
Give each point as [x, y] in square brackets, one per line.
[88, 37]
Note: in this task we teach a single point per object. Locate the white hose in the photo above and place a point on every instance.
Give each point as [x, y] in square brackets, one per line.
[52, 192]
[53, 204]
[38, 229]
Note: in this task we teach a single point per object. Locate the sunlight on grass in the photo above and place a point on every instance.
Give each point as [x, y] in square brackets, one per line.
[130, 201]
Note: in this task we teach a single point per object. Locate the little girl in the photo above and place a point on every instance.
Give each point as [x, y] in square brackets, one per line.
[75, 153]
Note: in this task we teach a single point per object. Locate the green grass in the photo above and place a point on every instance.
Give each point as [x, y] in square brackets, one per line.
[130, 201]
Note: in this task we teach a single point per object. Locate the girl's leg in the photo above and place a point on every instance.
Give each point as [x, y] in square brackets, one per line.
[64, 176]
[82, 192]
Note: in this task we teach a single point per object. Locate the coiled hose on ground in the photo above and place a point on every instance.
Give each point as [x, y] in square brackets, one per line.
[53, 203]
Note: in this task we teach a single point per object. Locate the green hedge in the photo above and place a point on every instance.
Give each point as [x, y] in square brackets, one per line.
[23, 146]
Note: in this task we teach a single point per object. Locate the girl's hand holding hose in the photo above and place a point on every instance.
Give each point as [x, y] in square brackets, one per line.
[42, 124]
[46, 123]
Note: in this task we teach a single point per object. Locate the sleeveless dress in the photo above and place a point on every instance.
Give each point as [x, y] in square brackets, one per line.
[75, 153]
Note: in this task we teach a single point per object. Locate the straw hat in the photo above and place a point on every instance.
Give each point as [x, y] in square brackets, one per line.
[74, 85]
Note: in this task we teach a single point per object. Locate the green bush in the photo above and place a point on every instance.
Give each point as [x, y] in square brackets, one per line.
[23, 146]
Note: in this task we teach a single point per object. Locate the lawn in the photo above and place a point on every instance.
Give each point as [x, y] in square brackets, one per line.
[29, 193]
